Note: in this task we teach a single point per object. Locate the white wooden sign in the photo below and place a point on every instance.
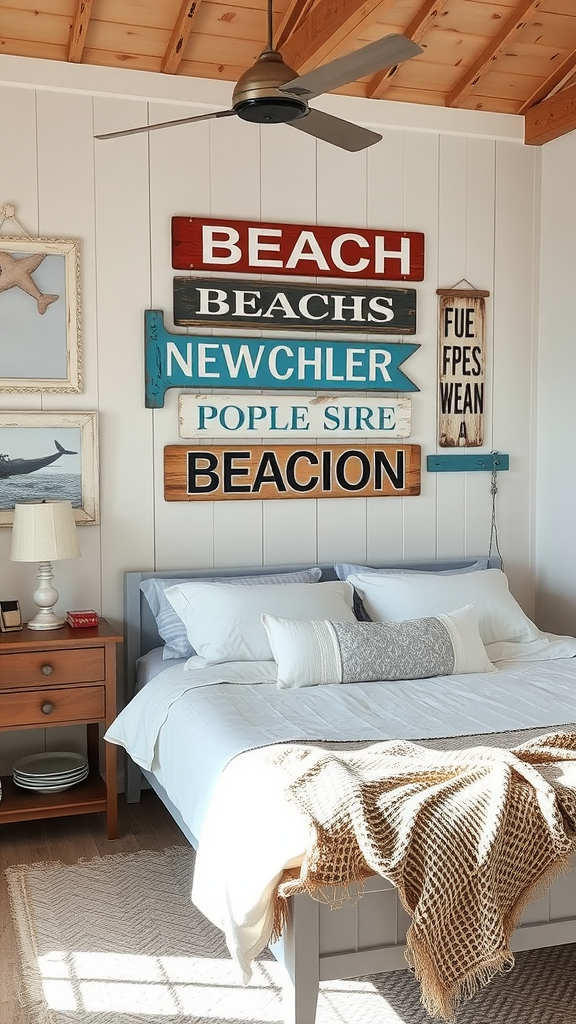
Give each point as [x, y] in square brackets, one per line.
[289, 418]
[462, 355]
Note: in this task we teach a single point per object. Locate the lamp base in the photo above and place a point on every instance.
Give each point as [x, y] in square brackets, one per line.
[46, 620]
[45, 597]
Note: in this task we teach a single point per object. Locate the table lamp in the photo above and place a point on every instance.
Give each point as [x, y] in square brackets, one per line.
[44, 532]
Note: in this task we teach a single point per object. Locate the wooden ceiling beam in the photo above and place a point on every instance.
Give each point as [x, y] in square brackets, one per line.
[521, 16]
[326, 28]
[556, 81]
[416, 30]
[78, 28]
[551, 118]
[291, 18]
[179, 37]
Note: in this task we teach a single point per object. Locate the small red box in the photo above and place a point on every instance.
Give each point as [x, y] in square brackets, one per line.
[85, 617]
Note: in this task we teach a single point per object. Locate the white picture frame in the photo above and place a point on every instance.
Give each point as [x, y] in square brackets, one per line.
[66, 446]
[40, 307]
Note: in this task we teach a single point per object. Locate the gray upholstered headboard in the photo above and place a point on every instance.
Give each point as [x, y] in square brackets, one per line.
[141, 634]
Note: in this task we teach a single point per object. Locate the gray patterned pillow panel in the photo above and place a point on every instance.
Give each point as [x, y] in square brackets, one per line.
[415, 649]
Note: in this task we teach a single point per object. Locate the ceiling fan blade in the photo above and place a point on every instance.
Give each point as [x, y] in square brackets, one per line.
[166, 124]
[335, 131]
[382, 53]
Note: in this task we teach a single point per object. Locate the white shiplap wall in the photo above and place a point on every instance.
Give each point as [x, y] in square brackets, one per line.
[463, 178]
[556, 490]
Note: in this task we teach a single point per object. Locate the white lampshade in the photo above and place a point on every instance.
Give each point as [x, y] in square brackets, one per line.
[44, 531]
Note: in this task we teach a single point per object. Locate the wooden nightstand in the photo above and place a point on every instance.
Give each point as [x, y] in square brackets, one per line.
[61, 677]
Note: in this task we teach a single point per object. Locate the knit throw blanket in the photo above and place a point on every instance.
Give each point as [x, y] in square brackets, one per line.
[468, 837]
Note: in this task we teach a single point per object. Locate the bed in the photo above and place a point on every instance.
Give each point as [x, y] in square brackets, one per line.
[180, 710]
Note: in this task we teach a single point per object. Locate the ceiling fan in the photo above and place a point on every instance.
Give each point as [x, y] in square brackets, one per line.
[270, 92]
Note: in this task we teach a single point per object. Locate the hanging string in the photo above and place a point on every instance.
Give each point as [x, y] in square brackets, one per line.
[7, 212]
[493, 521]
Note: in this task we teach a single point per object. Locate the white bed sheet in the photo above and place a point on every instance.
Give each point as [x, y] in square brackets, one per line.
[186, 726]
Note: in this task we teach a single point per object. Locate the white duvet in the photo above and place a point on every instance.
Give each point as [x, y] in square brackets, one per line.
[202, 733]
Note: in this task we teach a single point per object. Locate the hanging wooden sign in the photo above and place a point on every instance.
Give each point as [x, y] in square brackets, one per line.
[184, 360]
[314, 471]
[289, 417]
[462, 360]
[305, 250]
[205, 301]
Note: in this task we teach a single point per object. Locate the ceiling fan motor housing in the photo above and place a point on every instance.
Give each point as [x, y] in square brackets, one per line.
[257, 98]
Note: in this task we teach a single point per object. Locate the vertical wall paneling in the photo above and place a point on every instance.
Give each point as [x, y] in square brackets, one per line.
[556, 482]
[235, 176]
[288, 194]
[342, 186]
[66, 210]
[385, 209]
[18, 177]
[421, 210]
[123, 290]
[453, 231]
[480, 272]
[515, 263]
[179, 186]
[18, 185]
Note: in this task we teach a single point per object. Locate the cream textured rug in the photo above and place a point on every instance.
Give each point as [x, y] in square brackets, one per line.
[116, 940]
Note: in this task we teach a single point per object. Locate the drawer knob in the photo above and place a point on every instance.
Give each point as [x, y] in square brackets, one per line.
[47, 670]
[47, 708]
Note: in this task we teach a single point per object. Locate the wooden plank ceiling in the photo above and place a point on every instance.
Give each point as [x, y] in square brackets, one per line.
[510, 56]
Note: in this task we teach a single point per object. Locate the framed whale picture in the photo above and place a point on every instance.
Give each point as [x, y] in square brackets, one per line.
[51, 456]
[40, 343]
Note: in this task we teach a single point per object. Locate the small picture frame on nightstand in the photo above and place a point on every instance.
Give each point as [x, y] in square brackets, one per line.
[10, 616]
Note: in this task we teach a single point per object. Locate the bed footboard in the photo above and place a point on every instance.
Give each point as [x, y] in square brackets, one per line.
[369, 937]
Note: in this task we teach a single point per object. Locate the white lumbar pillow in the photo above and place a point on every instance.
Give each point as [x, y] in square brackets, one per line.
[395, 597]
[223, 623]
[309, 653]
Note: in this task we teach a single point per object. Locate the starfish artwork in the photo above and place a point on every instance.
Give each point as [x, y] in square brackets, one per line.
[16, 272]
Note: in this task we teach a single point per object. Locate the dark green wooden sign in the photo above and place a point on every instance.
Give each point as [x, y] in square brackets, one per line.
[226, 303]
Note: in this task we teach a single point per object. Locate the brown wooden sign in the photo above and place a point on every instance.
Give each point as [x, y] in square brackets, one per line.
[217, 302]
[313, 471]
[462, 355]
[305, 250]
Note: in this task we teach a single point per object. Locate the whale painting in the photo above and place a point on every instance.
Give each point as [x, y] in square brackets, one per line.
[49, 456]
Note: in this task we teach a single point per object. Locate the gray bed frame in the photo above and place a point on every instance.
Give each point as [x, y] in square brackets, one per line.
[319, 944]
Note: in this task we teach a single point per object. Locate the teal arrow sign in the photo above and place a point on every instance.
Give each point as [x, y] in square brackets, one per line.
[190, 361]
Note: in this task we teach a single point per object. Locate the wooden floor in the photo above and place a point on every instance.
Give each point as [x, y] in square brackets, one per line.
[143, 826]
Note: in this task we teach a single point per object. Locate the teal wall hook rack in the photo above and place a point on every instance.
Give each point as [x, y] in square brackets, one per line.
[480, 463]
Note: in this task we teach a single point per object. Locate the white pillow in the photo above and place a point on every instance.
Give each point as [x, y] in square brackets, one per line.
[170, 626]
[395, 597]
[223, 623]
[309, 653]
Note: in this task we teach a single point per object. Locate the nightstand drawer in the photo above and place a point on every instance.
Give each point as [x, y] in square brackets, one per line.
[50, 666]
[46, 707]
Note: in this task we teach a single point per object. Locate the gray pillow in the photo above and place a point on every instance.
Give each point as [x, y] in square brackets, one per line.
[344, 569]
[170, 625]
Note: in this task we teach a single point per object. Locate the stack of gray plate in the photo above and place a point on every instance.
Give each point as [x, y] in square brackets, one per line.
[51, 772]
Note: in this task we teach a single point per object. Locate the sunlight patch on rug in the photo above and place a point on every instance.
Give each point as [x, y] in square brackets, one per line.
[106, 983]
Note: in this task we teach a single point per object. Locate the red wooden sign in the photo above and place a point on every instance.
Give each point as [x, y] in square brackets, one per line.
[241, 246]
